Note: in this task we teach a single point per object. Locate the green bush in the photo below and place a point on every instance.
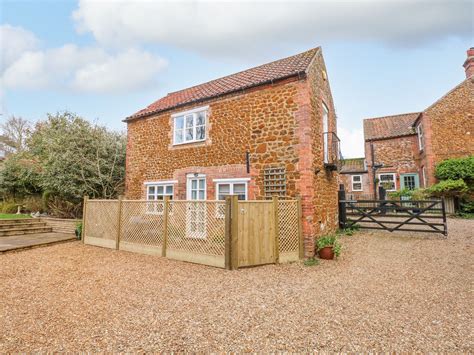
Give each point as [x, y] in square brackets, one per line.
[449, 188]
[329, 241]
[33, 204]
[455, 169]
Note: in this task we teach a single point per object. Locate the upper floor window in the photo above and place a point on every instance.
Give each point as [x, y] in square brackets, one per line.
[356, 181]
[421, 137]
[190, 126]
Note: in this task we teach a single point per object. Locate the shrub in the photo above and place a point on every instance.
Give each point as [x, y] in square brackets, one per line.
[330, 241]
[455, 169]
[33, 204]
[64, 209]
[449, 188]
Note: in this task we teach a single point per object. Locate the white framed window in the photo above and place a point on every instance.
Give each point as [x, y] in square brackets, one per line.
[190, 126]
[157, 191]
[387, 180]
[421, 137]
[227, 187]
[325, 133]
[356, 182]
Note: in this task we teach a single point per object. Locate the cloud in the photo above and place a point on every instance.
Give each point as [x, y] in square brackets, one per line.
[352, 142]
[84, 69]
[14, 41]
[222, 27]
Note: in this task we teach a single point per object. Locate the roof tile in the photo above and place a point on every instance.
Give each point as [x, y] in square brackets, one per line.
[390, 126]
[248, 78]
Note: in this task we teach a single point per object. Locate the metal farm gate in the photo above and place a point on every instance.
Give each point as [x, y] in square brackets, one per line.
[427, 216]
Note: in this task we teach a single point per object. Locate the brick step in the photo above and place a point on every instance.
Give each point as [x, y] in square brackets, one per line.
[25, 230]
[18, 220]
[22, 225]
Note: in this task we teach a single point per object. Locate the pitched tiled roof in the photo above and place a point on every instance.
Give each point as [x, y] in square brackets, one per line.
[390, 126]
[260, 75]
[354, 165]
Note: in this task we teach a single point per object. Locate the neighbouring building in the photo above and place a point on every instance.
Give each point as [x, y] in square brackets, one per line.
[353, 175]
[263, 132]
[401, 151]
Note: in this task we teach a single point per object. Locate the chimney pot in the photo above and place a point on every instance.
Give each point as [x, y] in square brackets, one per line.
[469, 63]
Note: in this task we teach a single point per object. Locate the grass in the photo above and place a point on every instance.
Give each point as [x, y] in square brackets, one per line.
[13, 216]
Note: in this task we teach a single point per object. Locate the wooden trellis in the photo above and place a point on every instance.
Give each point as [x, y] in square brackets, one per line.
[204, 232]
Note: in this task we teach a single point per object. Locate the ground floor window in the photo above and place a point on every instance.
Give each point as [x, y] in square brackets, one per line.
[387, 181]
[157, 192]
[356, 182]
[228, 187]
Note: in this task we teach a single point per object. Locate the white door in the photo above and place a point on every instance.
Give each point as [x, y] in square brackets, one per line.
[325, 133]
[196, 211]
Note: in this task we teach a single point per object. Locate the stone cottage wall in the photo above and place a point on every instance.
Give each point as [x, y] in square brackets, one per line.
[398, 155]
[449, 128]
[324, 213]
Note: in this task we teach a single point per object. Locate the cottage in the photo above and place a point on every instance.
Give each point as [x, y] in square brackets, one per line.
[401, 151]
[266, 131]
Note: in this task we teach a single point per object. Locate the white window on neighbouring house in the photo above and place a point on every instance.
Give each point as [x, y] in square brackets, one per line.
[388, 181]
[157, 192]
[227, 187]
[421, 137]
[356, 181]
[190, 126]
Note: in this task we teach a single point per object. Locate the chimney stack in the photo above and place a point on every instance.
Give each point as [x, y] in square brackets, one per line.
[469, 63]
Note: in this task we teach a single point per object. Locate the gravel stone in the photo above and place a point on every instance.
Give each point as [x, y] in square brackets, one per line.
[387, 292]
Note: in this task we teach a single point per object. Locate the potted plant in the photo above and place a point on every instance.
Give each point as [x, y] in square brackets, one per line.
[78, 230]
[328, 246]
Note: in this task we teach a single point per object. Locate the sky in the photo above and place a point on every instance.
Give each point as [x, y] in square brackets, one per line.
[106, 60]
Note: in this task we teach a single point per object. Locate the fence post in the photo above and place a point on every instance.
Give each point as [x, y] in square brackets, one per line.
[164, 245]
[234, 233]
[277, 228]
[119, 223]
[341, 196]
[228, 233]
[300, 228]
[445, 223]
[84, 210]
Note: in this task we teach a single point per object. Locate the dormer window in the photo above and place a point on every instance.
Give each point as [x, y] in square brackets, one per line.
[421, 138]
[190, 126]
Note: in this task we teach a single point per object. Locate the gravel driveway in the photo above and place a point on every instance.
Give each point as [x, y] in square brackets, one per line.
[388, 292]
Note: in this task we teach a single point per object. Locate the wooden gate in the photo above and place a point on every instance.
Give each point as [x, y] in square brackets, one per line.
[256, 233]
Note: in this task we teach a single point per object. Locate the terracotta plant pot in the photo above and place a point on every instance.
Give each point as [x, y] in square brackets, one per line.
[326, 253]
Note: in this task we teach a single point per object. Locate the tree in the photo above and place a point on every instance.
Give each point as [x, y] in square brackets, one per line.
[78, 158]
[14, 133]
[20, 175]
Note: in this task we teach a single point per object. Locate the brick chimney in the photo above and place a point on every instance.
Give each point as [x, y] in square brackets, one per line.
[469, 63]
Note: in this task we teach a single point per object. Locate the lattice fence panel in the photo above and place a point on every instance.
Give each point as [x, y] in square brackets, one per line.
[142, 222]
[197, 227]
[288, 226]
[102, 219]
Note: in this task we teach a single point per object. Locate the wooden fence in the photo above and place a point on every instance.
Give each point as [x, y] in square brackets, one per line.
[228, 234]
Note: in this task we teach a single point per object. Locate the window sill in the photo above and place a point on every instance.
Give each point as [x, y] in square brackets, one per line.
[186, 143]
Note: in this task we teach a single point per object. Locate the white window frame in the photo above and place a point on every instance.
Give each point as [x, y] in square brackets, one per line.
[421, 137]
[357, 182]
[194, 113]
[325, 122]
[153, 208]
[231, 182]
[394, 180]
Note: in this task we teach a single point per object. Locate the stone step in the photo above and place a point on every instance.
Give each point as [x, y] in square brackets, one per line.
[22, 225]
[25, 230]
[18, 220]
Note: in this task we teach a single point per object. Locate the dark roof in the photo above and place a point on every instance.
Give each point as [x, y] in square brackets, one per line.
[354, 165]
[390, 126]
[263, 74]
